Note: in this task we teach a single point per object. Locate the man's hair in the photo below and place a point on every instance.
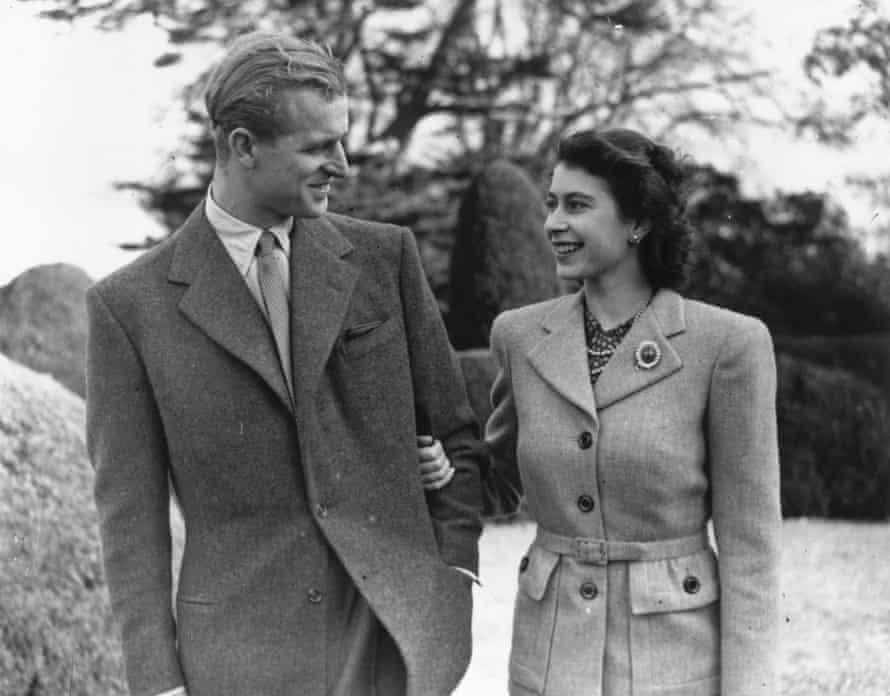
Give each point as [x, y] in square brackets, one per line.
[647, 181]
[245, 89]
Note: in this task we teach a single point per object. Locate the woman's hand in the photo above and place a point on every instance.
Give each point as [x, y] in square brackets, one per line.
[435, 468]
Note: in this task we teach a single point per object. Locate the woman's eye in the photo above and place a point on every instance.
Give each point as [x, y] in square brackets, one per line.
[550, 204]
[574, 205]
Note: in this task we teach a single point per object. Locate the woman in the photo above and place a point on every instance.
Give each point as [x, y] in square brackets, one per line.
[631, 417]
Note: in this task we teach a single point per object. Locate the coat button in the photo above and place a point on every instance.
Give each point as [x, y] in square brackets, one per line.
[523, 564]
[315, 596]
[589, 590]
[585, 503]
[691, 584]
[585, 440]
[321, 510]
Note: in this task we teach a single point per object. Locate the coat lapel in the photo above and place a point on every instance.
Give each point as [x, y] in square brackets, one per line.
[321, 287]
[622, 377]
[561, 356]
[219, 303]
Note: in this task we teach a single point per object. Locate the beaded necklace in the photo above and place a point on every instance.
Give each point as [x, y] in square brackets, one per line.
[602, 343]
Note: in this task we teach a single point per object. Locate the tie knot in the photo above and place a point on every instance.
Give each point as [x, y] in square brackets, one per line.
[267, 244]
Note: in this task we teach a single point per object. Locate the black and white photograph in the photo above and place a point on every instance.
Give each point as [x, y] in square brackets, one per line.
[445, 348]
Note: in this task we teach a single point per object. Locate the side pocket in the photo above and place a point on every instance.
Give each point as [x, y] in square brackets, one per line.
[533, 618]
[675, 625]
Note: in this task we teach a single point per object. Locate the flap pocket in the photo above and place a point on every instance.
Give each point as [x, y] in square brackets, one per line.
[535, 570]
[674, 584]
[363, 337]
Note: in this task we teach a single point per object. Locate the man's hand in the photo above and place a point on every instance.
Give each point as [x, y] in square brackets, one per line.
[436, 470]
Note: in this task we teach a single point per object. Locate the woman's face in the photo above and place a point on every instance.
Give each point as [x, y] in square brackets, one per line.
[589, 238]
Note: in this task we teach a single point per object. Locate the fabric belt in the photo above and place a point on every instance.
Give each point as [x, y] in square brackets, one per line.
[603, 552]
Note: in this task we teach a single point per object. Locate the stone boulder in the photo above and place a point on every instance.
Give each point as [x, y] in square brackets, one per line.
[501, 257]
[43, 322]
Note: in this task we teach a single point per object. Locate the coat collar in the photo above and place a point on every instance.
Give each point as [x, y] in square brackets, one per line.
[560, 357]
[219, 303]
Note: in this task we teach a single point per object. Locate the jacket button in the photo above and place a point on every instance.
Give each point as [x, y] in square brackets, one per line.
[691, 584]
[589, 590]
[523, 564]
[321, 510]
[315, 596]
[586, 503]
[585, 440]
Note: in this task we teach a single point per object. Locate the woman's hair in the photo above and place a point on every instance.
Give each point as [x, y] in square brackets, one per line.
[245, 89]
[646, 181]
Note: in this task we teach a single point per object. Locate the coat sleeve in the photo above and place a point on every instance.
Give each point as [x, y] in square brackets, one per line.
[501, 483]
[442, 409]
[746, 508]
[126, 445]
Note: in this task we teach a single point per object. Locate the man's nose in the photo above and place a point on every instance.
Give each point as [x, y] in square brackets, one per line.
[337, 165]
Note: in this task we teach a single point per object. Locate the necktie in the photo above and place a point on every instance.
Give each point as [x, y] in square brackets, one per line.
[271, 274]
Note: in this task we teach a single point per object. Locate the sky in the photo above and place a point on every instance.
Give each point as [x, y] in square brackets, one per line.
[86, 108]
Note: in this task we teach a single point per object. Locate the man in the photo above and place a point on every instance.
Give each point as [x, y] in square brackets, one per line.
[273, 363]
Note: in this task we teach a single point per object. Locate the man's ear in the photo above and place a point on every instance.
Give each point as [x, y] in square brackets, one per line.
[242, 146]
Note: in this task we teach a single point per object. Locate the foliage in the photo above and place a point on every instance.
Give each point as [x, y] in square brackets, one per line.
[790, 260]
[865, 355]
[500, 76]
[501, 258]
[56, 635]
[833, 435]
[861, 48]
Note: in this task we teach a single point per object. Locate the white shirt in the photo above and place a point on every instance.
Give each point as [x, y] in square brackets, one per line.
[240, 240]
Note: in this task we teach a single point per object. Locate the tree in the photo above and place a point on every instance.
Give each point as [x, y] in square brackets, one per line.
[502, 76]
[858, 54]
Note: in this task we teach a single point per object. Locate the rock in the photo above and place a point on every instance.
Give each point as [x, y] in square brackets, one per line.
[57, 635]
[501, 258]
[43, 322]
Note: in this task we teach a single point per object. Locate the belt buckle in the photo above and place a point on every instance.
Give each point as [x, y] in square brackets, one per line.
[595, 551]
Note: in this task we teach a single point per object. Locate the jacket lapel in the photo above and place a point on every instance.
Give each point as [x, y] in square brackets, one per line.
[321, 287]
[622, 376]
[219, 303]
[560, 357]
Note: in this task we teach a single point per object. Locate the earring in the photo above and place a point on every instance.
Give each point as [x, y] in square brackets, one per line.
[633, 241]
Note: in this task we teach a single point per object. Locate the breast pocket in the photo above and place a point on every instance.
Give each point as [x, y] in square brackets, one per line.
[675, 625]
[533, 618]
[366, 336]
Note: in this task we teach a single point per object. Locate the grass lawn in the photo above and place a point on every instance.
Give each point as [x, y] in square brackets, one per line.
[835, 604]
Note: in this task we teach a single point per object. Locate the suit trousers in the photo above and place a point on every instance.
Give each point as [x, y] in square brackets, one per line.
[362, 658]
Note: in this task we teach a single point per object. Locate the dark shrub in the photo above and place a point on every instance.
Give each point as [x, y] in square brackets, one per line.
[834, 431]
[866, 355]
[501, 257]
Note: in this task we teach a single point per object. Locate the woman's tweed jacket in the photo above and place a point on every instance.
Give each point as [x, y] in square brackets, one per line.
[646, 455]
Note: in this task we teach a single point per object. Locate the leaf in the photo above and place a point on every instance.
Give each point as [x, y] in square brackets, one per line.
[165, 59]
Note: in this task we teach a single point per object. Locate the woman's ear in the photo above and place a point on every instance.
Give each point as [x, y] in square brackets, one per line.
[639, 230]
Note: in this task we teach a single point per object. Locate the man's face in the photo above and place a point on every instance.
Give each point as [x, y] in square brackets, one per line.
[293, 172]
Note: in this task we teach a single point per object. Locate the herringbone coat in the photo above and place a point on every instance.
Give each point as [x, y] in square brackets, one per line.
[184, 384]
[646, 455]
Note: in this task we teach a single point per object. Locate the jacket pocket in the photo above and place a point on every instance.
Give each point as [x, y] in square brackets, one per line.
[675, 625]
[361, 338]
[534, 615]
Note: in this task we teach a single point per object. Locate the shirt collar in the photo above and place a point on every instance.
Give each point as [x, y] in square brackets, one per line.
[241, 238]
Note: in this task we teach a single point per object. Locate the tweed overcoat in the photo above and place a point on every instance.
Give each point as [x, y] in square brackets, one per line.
[647, 455]
[184, 385]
